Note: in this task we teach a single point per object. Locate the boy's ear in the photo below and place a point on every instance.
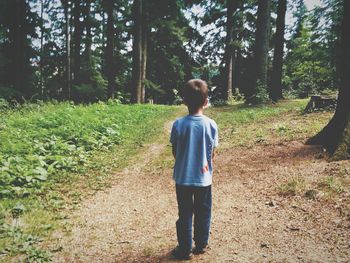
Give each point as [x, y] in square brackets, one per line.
[206, 102]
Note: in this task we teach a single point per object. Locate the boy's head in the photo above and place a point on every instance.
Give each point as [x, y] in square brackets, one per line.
[195, 94]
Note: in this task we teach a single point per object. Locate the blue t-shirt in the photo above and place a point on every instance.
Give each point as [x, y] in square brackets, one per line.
[194, 138]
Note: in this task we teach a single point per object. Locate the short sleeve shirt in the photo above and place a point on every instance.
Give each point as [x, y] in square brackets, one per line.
[194, 138]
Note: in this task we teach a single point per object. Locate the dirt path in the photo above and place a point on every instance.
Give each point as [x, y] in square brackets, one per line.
[134, 220]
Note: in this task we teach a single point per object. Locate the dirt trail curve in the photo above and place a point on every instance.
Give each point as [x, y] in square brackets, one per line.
[134, 220]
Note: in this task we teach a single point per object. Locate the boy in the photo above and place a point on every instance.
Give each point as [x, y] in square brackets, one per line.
[193, 140]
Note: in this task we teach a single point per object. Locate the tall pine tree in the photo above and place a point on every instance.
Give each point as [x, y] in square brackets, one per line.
[261, 48]
[276, 78]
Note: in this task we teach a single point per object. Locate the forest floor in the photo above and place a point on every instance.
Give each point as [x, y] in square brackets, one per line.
[274, 200]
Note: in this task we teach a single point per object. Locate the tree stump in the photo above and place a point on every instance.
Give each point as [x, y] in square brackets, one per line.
[319, 102]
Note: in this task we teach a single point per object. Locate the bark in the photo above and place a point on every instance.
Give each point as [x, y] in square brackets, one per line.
[137, 52]
[110, 64]
[103, 36]
[229, 48]
[88, 39]
[41, 46]
[233, 70]
[276, 78]
[67, 87]
[237, 71]
[261, 45]
[144, 52]
[77, 40]
[19, 39]
[238, 58]
[335, 132]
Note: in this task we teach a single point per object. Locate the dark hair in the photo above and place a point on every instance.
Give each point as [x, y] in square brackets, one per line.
[195, 93]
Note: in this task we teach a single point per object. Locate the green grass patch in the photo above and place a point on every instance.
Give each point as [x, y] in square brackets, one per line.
[52, 155]
[330, 185]
[43, 143]
[243, 125]
[293, 186]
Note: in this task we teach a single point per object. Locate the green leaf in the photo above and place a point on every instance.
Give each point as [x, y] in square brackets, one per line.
[41, 173]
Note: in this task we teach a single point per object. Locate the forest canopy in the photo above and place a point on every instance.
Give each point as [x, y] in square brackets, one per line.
[139, 51]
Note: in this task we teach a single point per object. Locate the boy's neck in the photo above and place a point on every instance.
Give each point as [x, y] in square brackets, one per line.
[196, 112]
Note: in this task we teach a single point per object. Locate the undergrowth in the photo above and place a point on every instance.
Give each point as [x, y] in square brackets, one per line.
[52, 154]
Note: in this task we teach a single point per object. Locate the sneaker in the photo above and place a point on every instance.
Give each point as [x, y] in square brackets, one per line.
[179, 254]
[200, 250]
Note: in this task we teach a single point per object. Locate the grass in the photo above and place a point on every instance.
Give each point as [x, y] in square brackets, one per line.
[330, 185]
[53, 155]
[293, 186]
[243, 125]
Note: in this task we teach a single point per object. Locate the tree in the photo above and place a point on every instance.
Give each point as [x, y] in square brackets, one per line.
[41, 85]
[17, 29]
[88, 38]
[137, 52]
[67, 87]
[140, 50]
[310, 64]
[77, 40]
[17, 23]
[276, 78]
[335, 136]
[110, 64]
[237, 69]
[224, 38]
[261, 48]
[229, 48]
[19, 39]
[144, 40]
[325, 24]
[169, 62]
[91, 85]
[300, 14]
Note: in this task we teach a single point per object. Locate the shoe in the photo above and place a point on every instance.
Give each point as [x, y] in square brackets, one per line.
[179, 254]
[200, 250]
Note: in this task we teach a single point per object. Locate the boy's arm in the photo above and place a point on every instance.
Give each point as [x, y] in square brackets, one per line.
[216, 142]
[173, 139]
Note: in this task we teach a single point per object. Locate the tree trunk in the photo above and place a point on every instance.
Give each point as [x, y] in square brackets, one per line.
[233, 68]
[137, 52]
[67, 87]
[77, 40]
[110, 65]
[335, 135]
[261, 46]
[238, 58]
[88, 38]
[229, 48]
[276, 78]
[19, 47]
[144, 52]
[41, 46]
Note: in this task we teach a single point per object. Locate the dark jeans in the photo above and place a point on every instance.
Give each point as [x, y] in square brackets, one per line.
[193, 200]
